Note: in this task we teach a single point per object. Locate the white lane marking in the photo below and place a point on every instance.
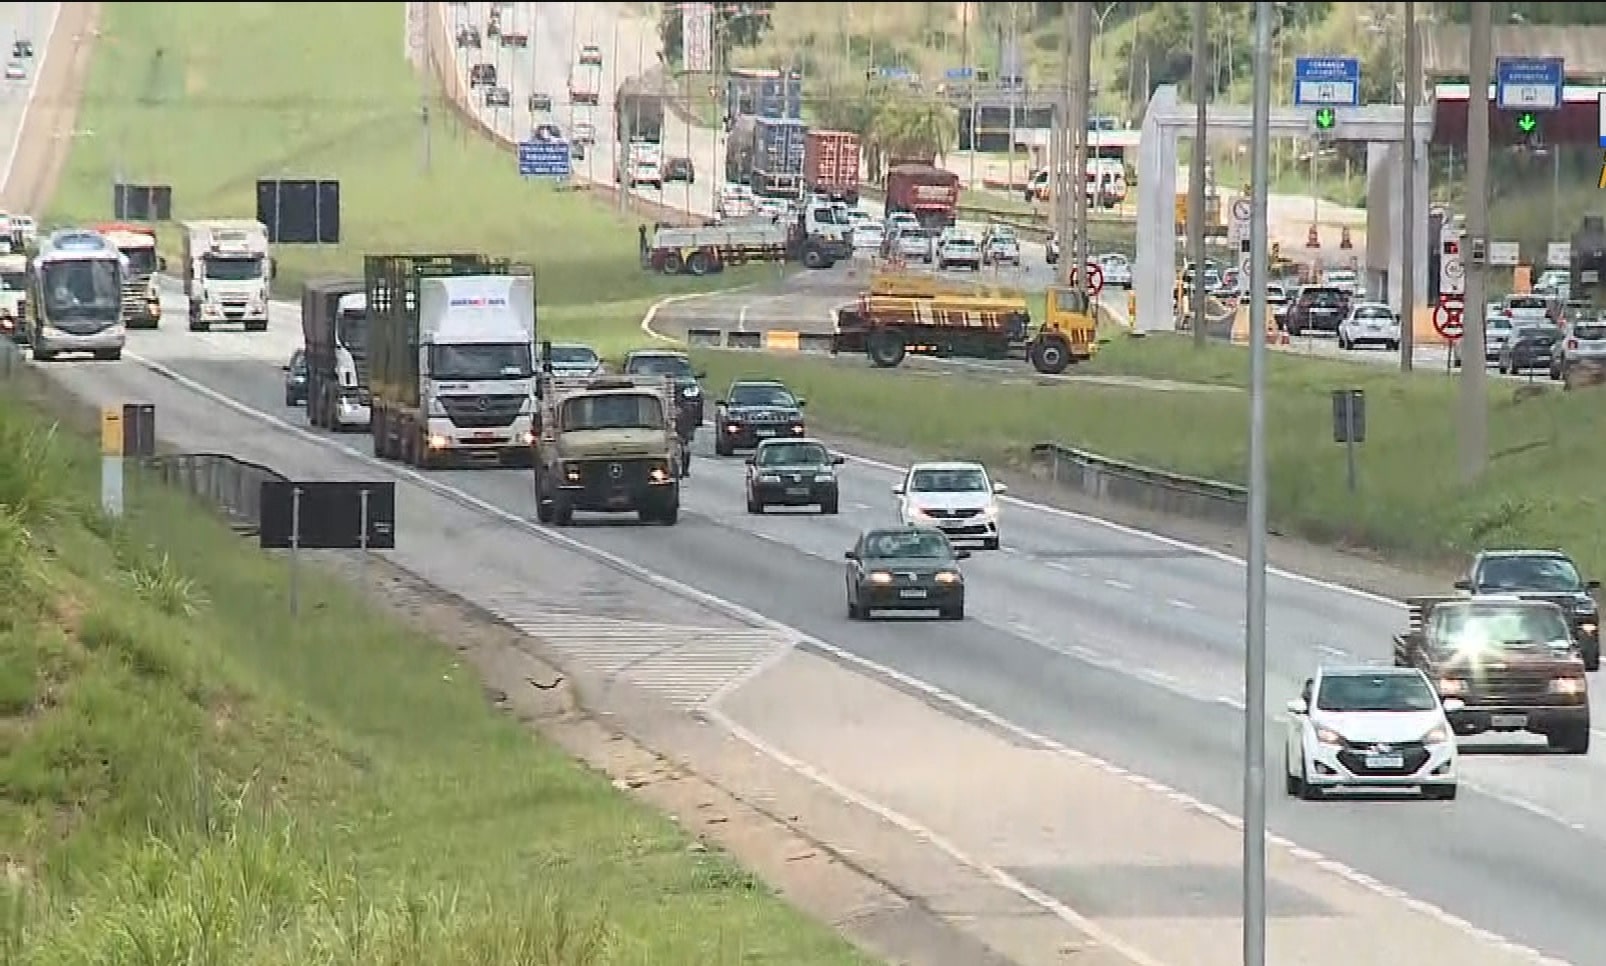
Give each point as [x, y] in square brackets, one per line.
[1114, 584]
[758, 620]
[741, 318]
[1331, 651]
[1083, 518]
[1180, 604]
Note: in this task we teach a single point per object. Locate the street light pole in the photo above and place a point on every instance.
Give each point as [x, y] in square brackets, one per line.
[1196, 170]
[1254, 852]
[1408, 197]
[1474, 403]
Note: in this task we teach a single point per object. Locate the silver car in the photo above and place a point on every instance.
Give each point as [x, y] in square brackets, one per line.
[1584, 344]
[1117, 270]
[1496, 333]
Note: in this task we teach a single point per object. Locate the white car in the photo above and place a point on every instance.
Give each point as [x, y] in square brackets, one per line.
[1277, 303]
[736, 201]
[583, 132]
[1342, 279]
[1117, 270]
[900, 220]
[957, 498]
[591, 54]
[1528, 309]
[1369, 323]
[1001, 246]
[911, 244]
[959, 249]
[868, 236]
[15, 71]
[1370, 727]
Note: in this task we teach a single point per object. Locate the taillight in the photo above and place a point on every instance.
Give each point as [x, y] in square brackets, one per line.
[1572, 343]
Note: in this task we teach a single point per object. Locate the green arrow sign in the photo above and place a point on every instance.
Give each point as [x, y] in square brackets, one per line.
[1527, 123]
[1326, 118]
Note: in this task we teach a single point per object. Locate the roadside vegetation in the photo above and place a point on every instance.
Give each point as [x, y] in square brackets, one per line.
[1540, 489]
[209, 98]
[188, 775]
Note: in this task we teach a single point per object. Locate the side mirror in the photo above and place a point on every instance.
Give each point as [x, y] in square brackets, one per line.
[285, 367]
[161, 263]
[851, 555]
[719, 402]
[1591, 585]
[802, 403]
[961, 554]
[1000, 488]
[752, 460]
[837, 459]
[1463, 584]
[1452, 705]
[1296, 707]
[897, 489]
[701, 374]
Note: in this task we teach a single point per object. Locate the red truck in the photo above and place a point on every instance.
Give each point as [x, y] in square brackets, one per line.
[831, 165]
[928, 192]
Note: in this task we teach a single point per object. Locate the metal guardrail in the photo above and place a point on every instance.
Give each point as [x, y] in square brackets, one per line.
[231, 486]
[1110, 479]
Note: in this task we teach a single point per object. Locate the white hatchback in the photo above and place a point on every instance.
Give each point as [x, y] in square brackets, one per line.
[1370, 727]
[957, 498]
[1369, 323]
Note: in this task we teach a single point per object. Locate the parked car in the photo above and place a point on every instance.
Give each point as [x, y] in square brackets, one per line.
[540, 101]
[679, 169]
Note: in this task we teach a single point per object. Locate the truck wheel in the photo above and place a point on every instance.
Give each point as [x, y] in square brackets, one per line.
[543, 507]
[885, 349]
[1050, 354]
[673, 264]
[671, 513]
[562, 512]
[698, 264]
[812, 258]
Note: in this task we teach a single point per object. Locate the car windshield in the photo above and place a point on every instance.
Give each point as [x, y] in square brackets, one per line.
[298, 363]
[791, 454]
[1473, 628]
[1527, 302]
[908, 543]
[1499, 322]
[574, 356]
[1324, 296]
[626, 410]
[469, 361]
[1373, 312]
[967, 480]
[1529, 572]
[1589, 332]
[677, 366]
[1537, 332]
[760, 395]
[1375, 692]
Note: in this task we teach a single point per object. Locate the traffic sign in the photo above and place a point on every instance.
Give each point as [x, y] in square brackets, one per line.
[1242, 208]
[1447, 319]
[544, 159]
[1559, 254]
[1327, 82]
[1326, 119]
[1095, 279]
[1529, 83]
[1601, 111]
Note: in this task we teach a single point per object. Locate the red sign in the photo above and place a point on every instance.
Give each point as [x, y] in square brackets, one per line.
[1447, 318]
[1095, 279]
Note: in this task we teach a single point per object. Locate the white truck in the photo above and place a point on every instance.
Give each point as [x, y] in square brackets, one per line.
[585, 84]
[642, 164]
[226, 273]
[451, 366]
[142, 300]
[13, 295]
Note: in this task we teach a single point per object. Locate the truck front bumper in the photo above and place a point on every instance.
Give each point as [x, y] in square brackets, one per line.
[1540, 720]
[448, 439]
[352, 411]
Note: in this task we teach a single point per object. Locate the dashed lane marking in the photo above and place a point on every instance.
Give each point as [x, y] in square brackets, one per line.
[686, 665]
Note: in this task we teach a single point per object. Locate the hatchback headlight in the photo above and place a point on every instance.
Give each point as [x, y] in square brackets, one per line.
[768, 478]
[948, 577]
[1438, 736]
[1328, 736]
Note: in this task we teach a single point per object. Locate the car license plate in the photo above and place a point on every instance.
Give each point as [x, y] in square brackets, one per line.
[1385, 761]
[483, 436]
[912, 593]
[797, 491]
[1508, 721]
[763, 432]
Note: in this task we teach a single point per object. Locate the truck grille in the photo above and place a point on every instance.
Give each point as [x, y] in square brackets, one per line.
[233, 306]
[1508, 689]
[134, 297]
[482, 412]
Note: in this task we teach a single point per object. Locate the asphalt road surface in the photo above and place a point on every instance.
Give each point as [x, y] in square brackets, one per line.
[1106, 640]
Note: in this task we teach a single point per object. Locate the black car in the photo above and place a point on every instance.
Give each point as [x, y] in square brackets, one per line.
[792, 472]
[540, 101]
[753, 411]
[482, 75]
[677, 366]
[905, 568]
[295, 379]
[1547, 575]
[22, 48]
[679, 169]
[468, 36]
[1530, 347]
[1318, 307]
[498, 97]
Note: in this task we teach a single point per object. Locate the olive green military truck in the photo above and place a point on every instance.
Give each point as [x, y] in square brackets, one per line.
[607, 444]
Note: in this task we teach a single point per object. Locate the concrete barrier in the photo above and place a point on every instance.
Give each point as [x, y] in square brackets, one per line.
[763, 340]
[744, 340]
[704, 338]
[1141, 486]
[815, 342]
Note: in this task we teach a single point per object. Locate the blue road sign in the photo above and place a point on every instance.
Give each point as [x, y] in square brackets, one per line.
[1529, 83]
[1327, 82]
[960, 73]
[544, 159]
[894, 73]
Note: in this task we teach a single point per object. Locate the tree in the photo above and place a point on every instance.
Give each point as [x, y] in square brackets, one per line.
[735, 25]
[907, 127]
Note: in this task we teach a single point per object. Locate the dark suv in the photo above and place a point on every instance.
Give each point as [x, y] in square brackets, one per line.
[677, 366]
[1547, 575]
[754, 411]
[1319, 308]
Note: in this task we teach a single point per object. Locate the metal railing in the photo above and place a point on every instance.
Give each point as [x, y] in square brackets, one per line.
[1110, 479]
[231, 486]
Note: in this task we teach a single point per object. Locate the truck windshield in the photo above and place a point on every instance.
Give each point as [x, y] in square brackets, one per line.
[141, 261]
[81, 289]
[613, 411]
[465, 363]
[351, 329]
[1494, 628]
[234, 269]
[13, 282]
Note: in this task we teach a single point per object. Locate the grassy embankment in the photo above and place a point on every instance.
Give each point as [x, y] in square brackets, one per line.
[183, 780]
[211, 98]
[1542, 487]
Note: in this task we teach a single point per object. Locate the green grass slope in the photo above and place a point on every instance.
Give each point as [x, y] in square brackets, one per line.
[189, 776]
[211, 97]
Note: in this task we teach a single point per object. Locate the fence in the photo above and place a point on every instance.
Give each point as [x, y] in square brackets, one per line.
[1109, 479]
[231, 486]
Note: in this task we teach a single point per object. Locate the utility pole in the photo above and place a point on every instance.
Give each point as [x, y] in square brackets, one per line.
[1254, 853]
[1196, 170]
[1082, 80]
[1408, 224]
[1474, 379]
[1060, 150]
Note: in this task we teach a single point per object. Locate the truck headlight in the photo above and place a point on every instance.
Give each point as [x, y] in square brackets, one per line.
[1566, 686]
[435, 407]
[691, 392]
[1449, 686]
[880, 577]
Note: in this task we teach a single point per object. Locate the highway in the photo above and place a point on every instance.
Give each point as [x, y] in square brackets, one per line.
[1117, 644]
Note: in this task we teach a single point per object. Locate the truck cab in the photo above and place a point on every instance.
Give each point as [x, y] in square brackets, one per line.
[642, 164]
[607, 445]
[142, 300]
[13, 297]
[226, 274]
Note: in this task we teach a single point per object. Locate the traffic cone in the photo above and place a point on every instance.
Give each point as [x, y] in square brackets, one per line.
[1312, 240]
[1343, 239]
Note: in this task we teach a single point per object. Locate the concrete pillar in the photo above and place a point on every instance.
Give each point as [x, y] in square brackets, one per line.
[1156, 273]
[1385, 222]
